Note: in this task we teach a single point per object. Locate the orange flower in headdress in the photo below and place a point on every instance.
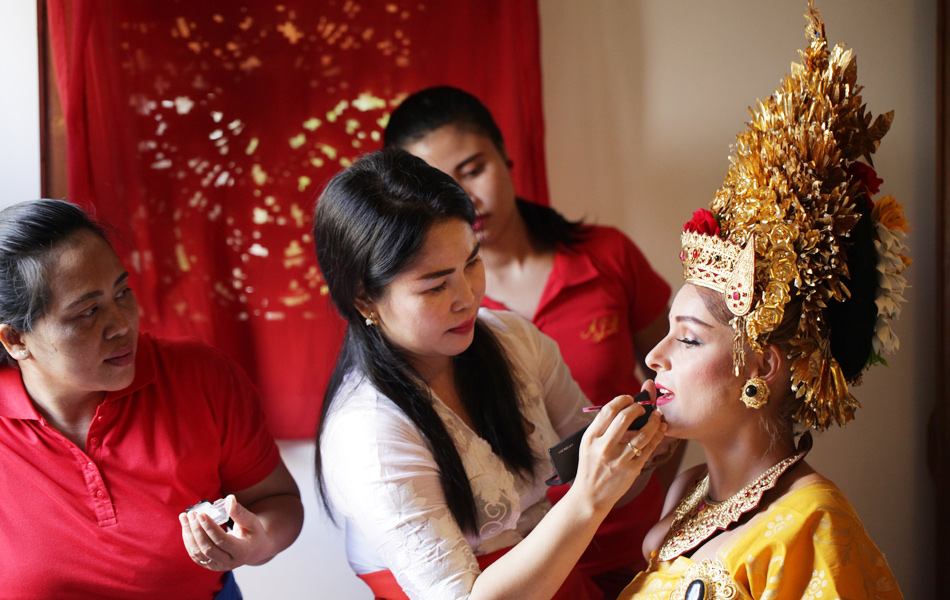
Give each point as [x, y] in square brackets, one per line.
[890, 213]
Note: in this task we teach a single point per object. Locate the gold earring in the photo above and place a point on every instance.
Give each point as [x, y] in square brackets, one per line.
[371, 320]
[755, 394]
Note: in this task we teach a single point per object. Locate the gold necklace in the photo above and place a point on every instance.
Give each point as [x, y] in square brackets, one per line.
[696, 517]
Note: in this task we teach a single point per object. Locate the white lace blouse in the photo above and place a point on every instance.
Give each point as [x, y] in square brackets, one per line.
[383, 481]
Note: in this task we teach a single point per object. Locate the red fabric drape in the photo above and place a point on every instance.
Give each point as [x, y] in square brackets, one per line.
[204, 132]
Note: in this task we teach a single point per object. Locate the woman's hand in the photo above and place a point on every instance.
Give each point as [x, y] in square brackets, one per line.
[210, 546]
[267, 518]
[611, 457]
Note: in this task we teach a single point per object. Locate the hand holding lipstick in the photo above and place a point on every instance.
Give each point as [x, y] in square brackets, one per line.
[643, 399]
[611, 455]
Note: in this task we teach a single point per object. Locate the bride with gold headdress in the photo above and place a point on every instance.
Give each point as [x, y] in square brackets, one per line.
[791, 279]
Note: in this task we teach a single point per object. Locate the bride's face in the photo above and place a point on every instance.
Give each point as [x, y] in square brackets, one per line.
[697, 388]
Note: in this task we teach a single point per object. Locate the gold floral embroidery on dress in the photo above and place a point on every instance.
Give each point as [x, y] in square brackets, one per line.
[708, 580]
[601, 327]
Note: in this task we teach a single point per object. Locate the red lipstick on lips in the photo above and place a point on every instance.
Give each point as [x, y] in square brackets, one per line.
[663, 396]
[465, 327]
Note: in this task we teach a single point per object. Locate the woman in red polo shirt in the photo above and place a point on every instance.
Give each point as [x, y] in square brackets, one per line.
[589, 287]
[107, 435]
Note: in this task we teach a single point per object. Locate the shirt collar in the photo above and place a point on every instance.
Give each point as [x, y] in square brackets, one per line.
[571, 267]
[14, 403]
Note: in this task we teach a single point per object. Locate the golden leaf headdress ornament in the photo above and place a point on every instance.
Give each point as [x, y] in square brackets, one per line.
[781, 225]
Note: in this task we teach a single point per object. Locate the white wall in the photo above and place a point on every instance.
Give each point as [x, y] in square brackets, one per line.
[642, 100]
[19, 104]
[315, 565]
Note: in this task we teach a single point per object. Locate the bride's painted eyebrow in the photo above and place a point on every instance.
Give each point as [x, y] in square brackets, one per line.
[694, 320]
[444, 272]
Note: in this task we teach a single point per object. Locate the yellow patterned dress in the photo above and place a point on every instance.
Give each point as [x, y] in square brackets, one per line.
[809, 545]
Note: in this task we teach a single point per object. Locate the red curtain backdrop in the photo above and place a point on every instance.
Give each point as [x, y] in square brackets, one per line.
[205, 131]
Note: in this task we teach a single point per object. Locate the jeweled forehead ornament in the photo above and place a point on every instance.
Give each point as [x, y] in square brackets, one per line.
[779, 225]
[722, 266]
[728, 268]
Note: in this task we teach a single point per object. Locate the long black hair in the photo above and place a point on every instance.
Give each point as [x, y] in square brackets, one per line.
[370, 223]
[433, 108]
[29, 233]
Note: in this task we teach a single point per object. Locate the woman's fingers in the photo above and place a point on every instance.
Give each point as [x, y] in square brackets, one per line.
[615, 417]
[644, 442]
[203, 539]
[621, 407]
[192, 544]
[609, 464]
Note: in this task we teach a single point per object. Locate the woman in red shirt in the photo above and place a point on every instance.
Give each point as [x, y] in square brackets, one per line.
[107, 435]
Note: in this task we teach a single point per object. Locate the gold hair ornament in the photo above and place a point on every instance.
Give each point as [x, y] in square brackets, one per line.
[780, 223]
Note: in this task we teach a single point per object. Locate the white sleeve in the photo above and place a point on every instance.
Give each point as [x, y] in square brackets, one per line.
[538, 354]
[562, 396]
[381, 475]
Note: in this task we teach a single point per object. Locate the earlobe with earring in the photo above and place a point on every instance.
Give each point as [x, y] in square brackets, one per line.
[755, 394]
[371, 320]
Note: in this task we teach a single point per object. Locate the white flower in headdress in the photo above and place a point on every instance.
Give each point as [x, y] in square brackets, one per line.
[890, 229]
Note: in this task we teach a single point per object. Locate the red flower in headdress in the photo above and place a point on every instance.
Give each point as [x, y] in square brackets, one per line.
[704, 222]
[865, 176]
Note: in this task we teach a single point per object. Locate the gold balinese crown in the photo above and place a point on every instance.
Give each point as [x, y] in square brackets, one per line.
[779, 226]
[720, 265]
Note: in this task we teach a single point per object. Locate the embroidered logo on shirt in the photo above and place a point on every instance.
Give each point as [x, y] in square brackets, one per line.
[601, 327]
